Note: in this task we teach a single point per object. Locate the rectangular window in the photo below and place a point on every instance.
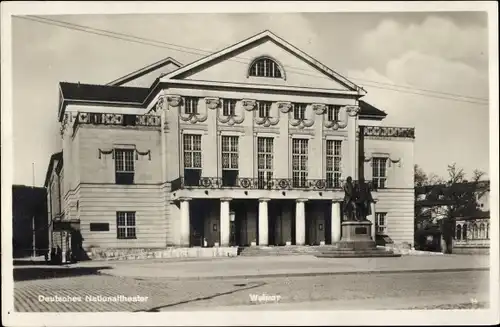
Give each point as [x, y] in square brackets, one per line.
[228, 107]
[299, 162]
[190, 105]
[125, 225]
[381, 222]
[229, 160]
[124, 166]
[332, 113]
[192, 159]
[379, 172]
[265, 161]
[264, 109]
[333, 162]
[299, 111]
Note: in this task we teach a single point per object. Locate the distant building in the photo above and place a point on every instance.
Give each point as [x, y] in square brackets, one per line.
[472, 232]
[220, 153]
[29, 213]
[471, 226]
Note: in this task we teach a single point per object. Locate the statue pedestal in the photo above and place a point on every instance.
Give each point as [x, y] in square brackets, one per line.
[356, 242]
[356, 235]
[356, 231]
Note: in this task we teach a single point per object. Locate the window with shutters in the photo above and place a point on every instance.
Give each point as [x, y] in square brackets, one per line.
[333, 162]
[265, 161]
[125, 225]
[299, 162]
[379, 171]
[192, 159]
[124, 166]
[229, 160]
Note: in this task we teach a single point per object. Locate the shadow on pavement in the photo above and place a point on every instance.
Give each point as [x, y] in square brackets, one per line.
[25, 262]
[243, 287]
[48, 272]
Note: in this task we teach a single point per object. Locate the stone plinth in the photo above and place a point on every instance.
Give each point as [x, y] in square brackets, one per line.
[356, 231]
[356, 242]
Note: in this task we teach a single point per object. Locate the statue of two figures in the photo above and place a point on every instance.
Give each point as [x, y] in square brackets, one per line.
[357, 200]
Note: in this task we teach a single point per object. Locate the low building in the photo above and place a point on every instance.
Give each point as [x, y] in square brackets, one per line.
[29, 221]
[470, 225]
[225, 152]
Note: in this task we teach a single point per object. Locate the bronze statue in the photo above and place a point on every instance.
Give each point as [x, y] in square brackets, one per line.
[349, 208]
[357, 200]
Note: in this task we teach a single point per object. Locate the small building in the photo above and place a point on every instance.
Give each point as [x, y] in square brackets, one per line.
[225, 152]
[29, 221]
[470, 226]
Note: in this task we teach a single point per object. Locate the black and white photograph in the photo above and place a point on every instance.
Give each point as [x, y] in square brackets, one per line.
[249, 163]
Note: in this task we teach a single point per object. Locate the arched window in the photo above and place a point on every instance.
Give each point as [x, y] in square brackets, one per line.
[265, 67]
[464, 232]
[459, 232]
[482, 231]
[475, 232]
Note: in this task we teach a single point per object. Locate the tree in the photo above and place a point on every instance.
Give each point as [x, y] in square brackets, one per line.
[448, 199]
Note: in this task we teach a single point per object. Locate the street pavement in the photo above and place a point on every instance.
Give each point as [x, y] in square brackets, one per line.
[337, 292]
[252, 267]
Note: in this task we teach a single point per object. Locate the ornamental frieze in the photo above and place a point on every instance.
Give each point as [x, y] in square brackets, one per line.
[193, 118]
[174, 100]
[267, 121]
[212, 103]
[338, 124]
[284, 107]
[249, 104]
[231, 120]
[319, 108]
[352, 110]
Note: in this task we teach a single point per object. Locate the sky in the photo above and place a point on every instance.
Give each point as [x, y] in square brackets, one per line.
[444, 52]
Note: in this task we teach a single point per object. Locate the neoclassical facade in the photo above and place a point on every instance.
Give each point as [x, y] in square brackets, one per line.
[247, 146]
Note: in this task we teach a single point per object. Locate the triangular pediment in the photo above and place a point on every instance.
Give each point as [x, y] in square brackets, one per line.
[232, 65]
[146, 76]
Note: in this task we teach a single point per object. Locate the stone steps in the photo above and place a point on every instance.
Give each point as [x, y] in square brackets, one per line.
[278, 250]
[357, 254]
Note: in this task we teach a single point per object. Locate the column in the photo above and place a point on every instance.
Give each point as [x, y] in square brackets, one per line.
[263, 223]
[184, 223]
[336, 221]
[224, 224]
[371, 218]
[352, 129]
[300, 222]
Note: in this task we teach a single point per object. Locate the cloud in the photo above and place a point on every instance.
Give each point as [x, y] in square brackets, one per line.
[435, 55]
[435, 36]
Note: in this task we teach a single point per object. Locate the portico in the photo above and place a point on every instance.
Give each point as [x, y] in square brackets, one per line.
[259, 222]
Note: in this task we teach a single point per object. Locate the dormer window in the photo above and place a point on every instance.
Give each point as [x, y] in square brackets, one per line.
[265, 67]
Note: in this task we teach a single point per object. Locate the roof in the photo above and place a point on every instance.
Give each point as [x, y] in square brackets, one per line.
[367, 111]
[259, 37]
[143, 71]
[56, 157]
[108, 93]
[78, 92]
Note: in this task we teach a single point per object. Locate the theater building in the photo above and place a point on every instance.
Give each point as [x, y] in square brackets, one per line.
[247, 146]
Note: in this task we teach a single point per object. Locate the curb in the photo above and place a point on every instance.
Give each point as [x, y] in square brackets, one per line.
[306, 274]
